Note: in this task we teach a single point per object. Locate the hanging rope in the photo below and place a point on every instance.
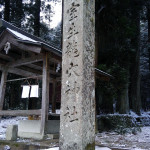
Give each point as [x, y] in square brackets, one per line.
[13, 80]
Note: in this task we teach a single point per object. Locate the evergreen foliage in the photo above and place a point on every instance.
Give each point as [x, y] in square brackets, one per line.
[26, 14]
[118, 43]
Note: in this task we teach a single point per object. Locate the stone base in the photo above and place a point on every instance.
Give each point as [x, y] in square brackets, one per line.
[31, 128]
[11, 132]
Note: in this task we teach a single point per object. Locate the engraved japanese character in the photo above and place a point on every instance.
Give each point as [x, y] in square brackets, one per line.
[73, 11]
[71, 113]
[72, 30]
[72, 49]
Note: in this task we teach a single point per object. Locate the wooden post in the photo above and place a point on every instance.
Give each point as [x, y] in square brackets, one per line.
[45, 92]
[2, 88]
[53, 97]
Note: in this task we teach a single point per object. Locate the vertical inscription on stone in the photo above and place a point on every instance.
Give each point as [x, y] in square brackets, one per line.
[78, 85]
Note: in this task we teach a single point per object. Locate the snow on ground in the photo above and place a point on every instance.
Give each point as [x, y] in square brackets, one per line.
[9, 121]
[140, 141]
[106, 140]
[96, 148]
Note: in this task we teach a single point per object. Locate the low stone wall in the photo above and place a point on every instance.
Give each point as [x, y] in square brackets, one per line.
[113, 122]
[121, 123]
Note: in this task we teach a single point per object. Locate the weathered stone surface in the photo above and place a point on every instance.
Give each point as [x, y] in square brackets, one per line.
[11, 132]
[77, 126]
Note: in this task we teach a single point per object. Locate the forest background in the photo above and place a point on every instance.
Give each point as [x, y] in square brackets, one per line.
[122, 48]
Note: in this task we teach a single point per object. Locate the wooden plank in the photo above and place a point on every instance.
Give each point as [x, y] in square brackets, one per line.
[45, 93]
[20, 112]
[3, 87]
[25, 61]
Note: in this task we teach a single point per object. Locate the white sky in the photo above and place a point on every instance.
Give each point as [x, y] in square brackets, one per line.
[56, 18]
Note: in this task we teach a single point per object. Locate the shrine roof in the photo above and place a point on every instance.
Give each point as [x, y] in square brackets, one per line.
[24, 37]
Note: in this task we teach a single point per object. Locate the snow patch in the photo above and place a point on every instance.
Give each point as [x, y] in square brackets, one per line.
[21, 36]
[96, 148]
[5, 122]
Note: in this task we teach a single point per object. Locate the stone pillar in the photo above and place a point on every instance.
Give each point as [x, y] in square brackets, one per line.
[77, 120]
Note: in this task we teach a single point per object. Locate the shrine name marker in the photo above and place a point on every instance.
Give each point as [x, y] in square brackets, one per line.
[77, 123]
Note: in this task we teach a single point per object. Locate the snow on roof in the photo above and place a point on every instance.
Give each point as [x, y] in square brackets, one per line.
[21, 36]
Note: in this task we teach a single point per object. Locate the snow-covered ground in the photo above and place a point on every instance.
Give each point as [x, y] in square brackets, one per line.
[96, 148]
[5, 122]
[129, 141]
[106, 140]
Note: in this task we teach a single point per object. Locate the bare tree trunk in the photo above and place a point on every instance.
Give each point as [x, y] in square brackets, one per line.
[7, 10]
[124, 101]
[37, 17]
[135, 96]
[148, 16]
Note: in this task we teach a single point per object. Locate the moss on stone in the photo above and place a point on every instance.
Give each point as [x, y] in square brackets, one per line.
[92, 20]
[90, 146]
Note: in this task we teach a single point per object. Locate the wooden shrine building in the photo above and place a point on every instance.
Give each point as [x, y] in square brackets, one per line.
[30, 57]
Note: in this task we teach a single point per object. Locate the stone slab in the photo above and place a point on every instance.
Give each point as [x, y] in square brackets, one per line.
[11, 132]
[31, 128]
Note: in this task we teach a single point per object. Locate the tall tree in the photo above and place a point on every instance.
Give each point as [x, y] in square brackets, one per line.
[118, 45]
[16, 13]
[37, 10]
[7, 10]
[135, 97]
[148, 18]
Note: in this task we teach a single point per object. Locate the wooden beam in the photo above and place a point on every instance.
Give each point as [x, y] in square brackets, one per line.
[25, 61]
[35, 67]
[3, 87]
[45, 93]
[32, 70]
[35, 77]
[55, 58]
[18, 71]
[6, 57]
[39, 67]
[20, 112]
